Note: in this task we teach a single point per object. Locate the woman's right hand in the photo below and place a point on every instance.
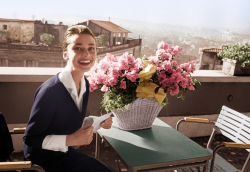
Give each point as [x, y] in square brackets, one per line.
[83, 136]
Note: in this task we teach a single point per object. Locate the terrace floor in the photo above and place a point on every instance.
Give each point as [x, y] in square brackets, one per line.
[236, 157]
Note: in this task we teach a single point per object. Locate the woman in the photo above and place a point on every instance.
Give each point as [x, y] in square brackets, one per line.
[58, 111]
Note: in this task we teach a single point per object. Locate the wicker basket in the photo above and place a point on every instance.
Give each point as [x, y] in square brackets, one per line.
[141, 114]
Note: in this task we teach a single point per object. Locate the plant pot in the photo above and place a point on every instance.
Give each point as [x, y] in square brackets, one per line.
[231, 67]
[141, 114]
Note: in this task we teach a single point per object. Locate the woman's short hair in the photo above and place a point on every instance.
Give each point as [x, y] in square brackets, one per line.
[73, 30]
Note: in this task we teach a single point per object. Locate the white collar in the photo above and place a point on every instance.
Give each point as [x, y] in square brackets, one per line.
[66, 78]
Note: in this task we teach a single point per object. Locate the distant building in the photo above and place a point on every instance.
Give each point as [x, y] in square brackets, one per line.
[117, 35]
[27, 31]
[17, 30]
[209, 59]
[245, 41]
[21, 46]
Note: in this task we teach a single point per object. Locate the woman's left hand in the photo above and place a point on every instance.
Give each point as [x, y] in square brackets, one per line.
[107, 123]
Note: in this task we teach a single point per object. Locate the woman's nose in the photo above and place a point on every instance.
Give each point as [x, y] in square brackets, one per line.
[85, 53]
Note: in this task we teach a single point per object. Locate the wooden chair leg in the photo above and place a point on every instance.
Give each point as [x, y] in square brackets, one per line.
[211, 138]
[246, 166]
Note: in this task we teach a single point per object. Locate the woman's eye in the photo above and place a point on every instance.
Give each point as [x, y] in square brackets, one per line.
[91, 48]
[77, 48]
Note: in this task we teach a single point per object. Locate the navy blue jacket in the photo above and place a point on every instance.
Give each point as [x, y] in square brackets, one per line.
[53, 112]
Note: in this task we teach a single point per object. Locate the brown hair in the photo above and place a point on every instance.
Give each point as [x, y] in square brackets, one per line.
[72, 30]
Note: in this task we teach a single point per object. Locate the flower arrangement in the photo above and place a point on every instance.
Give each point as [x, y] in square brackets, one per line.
[236, 52]
[125, 78]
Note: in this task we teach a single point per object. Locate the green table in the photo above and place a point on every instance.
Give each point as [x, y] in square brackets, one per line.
[158, 148]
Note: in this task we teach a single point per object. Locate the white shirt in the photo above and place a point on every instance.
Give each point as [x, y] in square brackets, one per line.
[58, 142]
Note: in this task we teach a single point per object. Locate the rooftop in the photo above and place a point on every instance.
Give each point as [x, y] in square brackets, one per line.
[16, 20]
[110, 26]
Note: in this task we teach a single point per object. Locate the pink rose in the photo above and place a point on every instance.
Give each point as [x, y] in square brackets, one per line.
[174, 90]
[191, 87]
[123, 63]
[132, 76]
[160, 52]
[154, 59]
[93, 87]
[104, 88]
[103, 64]
[163, 45]
[110, 58]
[123, 84]
[167, 56]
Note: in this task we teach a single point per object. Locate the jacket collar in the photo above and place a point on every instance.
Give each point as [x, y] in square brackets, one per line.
[66, 78]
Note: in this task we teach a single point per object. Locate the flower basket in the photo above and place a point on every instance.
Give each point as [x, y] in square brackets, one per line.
[231, 67]
[136, 89]
[141, 114]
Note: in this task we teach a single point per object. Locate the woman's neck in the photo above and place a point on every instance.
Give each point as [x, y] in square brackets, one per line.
[77, 77]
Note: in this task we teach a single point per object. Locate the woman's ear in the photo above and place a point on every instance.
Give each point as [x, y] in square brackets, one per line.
[65, 56]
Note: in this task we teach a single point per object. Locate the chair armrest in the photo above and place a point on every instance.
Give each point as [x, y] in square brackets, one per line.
[19, 164]
[196, 119]
[236, 145]
[19, 130]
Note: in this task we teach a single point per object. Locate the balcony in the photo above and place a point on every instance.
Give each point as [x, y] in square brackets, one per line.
[18, 85]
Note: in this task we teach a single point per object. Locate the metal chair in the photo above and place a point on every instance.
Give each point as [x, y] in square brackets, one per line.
[19, 165]
[233, 125]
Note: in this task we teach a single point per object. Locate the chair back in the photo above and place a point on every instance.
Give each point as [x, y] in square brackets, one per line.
[6, 144]
[233, 125]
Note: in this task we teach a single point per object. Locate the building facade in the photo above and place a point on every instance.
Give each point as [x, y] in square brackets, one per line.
[117, 35]
[29, 31]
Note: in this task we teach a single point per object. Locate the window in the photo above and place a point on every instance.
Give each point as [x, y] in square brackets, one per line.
[5, 27]
[114, 34]
[119, 35]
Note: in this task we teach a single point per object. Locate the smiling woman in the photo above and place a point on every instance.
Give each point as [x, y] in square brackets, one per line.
[58, 111]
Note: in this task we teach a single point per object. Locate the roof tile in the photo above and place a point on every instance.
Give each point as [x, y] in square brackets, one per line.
[110, 26]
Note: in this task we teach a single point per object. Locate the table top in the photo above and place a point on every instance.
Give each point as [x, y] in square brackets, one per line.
[159, 144]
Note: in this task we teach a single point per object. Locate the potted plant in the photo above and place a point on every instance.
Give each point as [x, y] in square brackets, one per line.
[236, 59]
[135, 90]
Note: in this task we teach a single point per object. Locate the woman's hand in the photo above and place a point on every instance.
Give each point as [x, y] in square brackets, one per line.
[83, 136]
[107, 123]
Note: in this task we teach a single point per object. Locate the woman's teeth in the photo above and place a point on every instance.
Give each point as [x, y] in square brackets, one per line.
[84, 62]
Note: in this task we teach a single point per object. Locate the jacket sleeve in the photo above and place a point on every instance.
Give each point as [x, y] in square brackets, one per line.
[42, 113]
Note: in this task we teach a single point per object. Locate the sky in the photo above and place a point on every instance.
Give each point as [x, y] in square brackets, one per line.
[231, 14]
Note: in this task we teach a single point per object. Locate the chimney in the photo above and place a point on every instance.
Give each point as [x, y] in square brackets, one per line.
[109, 18]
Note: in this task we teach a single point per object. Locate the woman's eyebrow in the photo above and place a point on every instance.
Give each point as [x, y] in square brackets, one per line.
[78, 44]
[81, 44]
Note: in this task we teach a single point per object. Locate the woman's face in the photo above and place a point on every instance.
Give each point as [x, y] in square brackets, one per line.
[81, 53]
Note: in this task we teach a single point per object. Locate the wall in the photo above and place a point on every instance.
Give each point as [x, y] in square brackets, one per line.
[20, 32]
[17, 90]
[16, 100]
[24, 58]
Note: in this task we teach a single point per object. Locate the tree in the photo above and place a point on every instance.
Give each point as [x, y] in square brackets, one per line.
[46, 38]
[102, 40]
[2, 32]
